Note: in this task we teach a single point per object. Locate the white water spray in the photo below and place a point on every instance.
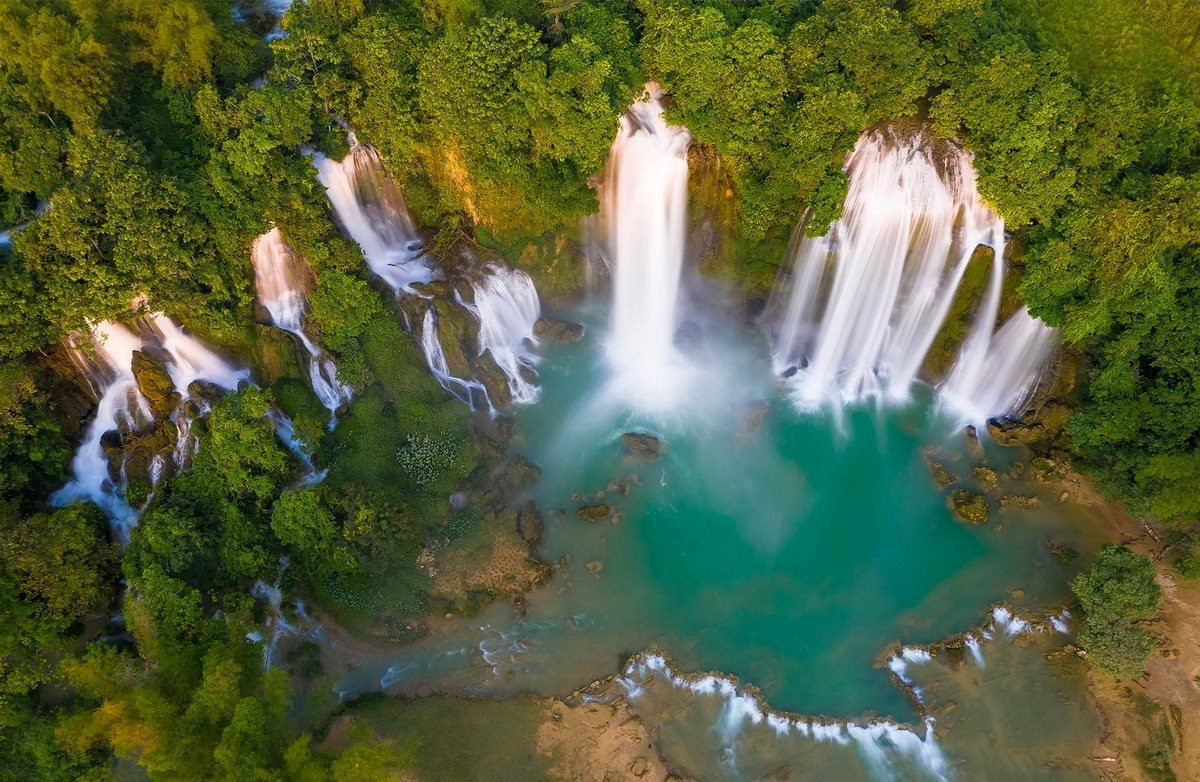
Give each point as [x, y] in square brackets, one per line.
[467, 390]
[644, 207]
[188, 361]
[507, 306]
[372, 210]
[279, 284]
[867, 300]
[121, 407]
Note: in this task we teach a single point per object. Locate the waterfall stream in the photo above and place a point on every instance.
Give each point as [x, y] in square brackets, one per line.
[121, 407]
[506, 303]
[644, 209]
[866, 301]
[372, 210]
[279, 284]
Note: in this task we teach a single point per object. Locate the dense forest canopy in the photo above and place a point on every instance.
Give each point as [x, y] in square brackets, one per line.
[144, 144]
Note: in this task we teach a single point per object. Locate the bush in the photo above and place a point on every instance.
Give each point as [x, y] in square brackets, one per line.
[1119, 584]
[1115, 590]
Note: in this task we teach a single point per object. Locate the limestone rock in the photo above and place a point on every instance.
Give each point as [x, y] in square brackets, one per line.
[155, 384]
[943, 476]
[1039, 426]
[988, 478]
[597, 512]
[555, 330]
[1019, 501]
[968, 507]
[644, 445]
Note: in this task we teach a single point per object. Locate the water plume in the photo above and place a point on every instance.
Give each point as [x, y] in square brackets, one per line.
[865, 302]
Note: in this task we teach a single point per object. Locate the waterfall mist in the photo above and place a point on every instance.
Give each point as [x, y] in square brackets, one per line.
[278, 282]
[865, 302]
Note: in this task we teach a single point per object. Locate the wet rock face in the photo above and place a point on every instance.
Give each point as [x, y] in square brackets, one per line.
[154, 383]
[968, 507]
[643, 445]
[555, 330]
[1039, 426]
[597, 512]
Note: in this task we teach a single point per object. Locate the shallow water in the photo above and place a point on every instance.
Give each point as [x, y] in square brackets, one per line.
[788, 550]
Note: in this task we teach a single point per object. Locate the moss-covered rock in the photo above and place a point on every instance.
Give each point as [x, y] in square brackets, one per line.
[987, 478]
[155, 384]
[943, 476]
[598, 512]
[968, 507]
[643, 445]
[1038, 426]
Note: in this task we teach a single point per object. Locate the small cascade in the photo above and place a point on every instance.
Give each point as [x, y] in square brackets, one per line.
[470, 392]
[188, 361]
[1003, 375]
[865, 302]
[644, 209]
[372, 211]
[285, 430]
[279, 285]
[507, 306]
[121, 408]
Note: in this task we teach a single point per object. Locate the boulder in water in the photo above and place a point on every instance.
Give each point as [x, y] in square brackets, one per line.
[530, 524]
[597, 512]
[988, 478]
[943, 476]
[154, 383]
[555, 330]
[968, 506]
[643, 445]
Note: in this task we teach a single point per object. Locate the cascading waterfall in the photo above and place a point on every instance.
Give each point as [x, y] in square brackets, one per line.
[278, 283]
[1001, 379]
[506, 303]
[644, 208]
[121, 407]
[470, 392]
[188, 361]
[372, 210]
[866, 301]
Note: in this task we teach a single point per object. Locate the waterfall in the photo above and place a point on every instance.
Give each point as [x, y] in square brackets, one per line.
[644, 208]
[465, 390]
[866, 301]
[188, 360]
[1004, 377]
[506, 303]
[278, 283]
[372, 210]
[122, 408]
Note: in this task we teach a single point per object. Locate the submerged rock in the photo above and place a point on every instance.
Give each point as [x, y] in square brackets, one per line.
[555, 330]
[530, 524]
[974, 447]
[988, 478]
[751, 417]
[1019, 501]
[644, 445]
[598, 512]
[968, 507]
[943, 476]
